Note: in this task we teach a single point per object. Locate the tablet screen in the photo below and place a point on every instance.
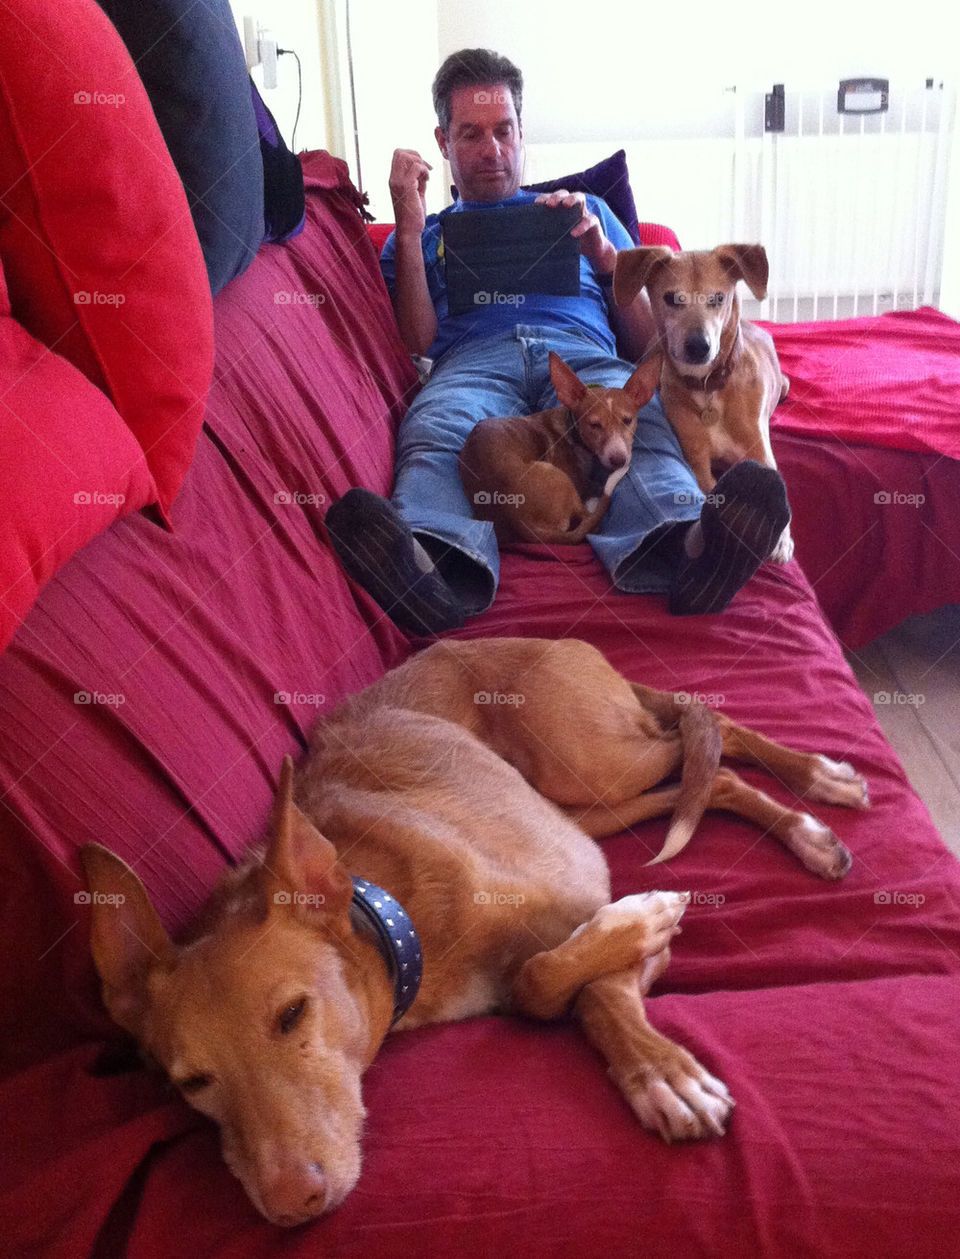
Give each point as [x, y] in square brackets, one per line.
[491, 255]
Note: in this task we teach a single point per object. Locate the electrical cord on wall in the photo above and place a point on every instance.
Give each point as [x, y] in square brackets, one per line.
[353, 97]
[284, 52]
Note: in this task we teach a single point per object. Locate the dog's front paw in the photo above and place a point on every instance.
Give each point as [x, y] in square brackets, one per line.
[782, 553]
[818, 848]
[685, 1103]
[837, 782]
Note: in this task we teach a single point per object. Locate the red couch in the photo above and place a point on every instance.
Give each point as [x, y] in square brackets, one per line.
[832, 1011]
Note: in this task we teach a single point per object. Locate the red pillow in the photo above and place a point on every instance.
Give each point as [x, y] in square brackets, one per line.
[70, 466]
[101, 256]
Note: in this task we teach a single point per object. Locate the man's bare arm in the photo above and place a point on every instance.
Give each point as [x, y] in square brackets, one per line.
[412, 306]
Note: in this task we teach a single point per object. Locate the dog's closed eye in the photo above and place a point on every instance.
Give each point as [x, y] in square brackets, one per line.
[194, 1083]
[290, 1015]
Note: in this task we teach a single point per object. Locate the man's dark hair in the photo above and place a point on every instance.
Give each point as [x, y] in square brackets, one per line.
[474, 67]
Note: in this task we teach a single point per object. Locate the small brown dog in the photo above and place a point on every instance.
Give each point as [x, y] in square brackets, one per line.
[548, 477]
[721, 377]
[467, 787]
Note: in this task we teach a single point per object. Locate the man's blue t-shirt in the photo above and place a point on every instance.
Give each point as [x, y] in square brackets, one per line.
[586, 313]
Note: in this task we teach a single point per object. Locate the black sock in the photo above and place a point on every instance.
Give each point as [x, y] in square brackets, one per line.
[377, 548]
[740, 523]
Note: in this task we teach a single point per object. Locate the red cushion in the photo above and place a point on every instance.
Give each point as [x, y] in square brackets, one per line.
[70, 466]
[657, 234]
[379, 233]
[102, 260]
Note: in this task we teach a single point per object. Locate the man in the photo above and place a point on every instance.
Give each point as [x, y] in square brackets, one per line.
[422, 556]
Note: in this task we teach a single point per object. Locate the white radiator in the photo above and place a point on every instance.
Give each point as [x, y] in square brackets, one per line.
[851, 209]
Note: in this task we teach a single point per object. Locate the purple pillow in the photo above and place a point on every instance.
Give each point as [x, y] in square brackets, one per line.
[610, 180]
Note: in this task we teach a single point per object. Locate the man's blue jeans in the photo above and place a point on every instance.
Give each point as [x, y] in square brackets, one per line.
[510, 375]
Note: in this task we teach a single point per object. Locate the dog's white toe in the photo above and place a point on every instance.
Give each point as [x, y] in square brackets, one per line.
[783, 552]
[686, 1108]
[837, 782]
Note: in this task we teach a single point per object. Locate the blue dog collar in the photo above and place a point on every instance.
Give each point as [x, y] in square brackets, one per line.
[398, 941]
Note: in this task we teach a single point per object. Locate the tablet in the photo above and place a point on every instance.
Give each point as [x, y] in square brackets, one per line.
[494, 256]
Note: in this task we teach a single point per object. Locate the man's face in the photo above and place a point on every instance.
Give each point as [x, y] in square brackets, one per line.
[484, 145]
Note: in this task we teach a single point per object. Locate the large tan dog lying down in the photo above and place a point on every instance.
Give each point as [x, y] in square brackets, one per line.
[470, 783]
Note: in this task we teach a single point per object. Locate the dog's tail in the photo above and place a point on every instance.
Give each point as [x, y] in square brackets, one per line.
[702, 745]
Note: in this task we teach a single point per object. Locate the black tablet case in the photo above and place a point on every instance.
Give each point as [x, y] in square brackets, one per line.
[492, 255]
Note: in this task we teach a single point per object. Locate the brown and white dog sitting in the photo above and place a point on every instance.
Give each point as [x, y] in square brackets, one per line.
[548, 477]
[721, 377]
[442, 825]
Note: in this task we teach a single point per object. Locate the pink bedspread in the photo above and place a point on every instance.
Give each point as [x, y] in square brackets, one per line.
[867, 441]
[830, 1010]
[888, 380]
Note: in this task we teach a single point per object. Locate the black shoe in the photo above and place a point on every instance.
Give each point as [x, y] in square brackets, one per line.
[376, 547]
[741, 521]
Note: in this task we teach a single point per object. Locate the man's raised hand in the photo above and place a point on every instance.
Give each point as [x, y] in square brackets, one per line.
[589, 231]
[408, 181]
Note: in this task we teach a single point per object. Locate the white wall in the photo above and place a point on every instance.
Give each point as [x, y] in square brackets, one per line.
[395, 56]
[295, 24]
[950, 283]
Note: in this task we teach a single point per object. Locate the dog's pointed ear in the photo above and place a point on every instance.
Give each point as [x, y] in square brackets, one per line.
[634, 268]
[301, 867]
[570, 388]
[127, 939]
[748, 263]
[643, 383]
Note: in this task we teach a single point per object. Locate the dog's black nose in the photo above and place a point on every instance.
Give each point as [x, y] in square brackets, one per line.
[696, 348]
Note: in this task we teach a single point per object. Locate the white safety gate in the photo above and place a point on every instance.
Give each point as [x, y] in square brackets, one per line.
[845, 184]
[847, 189]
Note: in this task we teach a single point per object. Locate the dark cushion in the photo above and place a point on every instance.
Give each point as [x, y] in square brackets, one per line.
[610, 180]
[189, 56]
[283, 199]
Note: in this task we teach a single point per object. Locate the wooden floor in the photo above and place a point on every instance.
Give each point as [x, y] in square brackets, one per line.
[912, 675]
